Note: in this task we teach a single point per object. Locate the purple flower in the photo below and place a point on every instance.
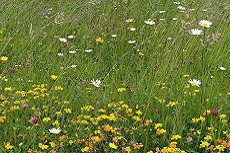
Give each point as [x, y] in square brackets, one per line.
[131, 142]
[215, 112]
[189, 139]
[11, 70]
[155, 109]
[24, 106]
[33, 120]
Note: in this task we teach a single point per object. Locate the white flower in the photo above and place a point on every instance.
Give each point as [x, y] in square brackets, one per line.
[60, 54]
[55, 130]
[131, 41]
[71, 36]
[150, 22]
[132, 29]
[195, 82]
[181, 7]
[72, 51]
[162, 19]
[223, 68]
[205, 23]
[88, 50]
[174, 19]
[161, 11]
[196, 32]
[204, 10]
[73, 66]
[177, 3]
[96, 83]
[63, 40]
[129, 20]
[114, 35]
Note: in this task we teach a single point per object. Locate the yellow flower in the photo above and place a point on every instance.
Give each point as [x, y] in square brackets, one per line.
[127, 149]
[204, 144]
[68, 110]
[223, 116]
[4, 58]
[112, 145]
[54, 77]
[42, 146]
[70, 142]
[85, 149]
[158, 125]
[20, 144]
[150, 152]
[46, 119]
[185, 75]
[220, 147]
[175, 137]
[9, 146]
[56, 123]
[99, 40]
[52, 144]
[121, 90]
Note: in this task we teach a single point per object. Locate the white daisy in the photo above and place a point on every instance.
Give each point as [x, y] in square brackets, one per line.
[88, 50]
[60, 54]
[70, 37]
[55, 130]
[73, 66]
[177, 3]
[205, 23]
[63, 40]
[129, 20]
[96, 83]
[223, 68]
[181, 7]
[132, 41]
[174, 19]
[196, 32]
[150, 22]
[132, 29]
[114, 35]
[195, 82]
[72, 51]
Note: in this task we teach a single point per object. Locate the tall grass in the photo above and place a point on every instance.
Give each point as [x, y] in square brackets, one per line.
[144, 104]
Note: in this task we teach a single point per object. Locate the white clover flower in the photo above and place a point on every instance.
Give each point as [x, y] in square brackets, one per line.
[73, 66]
[72, 51]
[114, 35]
[132, 41]
[60, 54]
[55, 130]
[196, 32]
[129, 20]
[132, 29]
[70, 37]
[205, 23]
[88, 50]
[195, 82]
[223, 68]
[63, 40]
[150, 22]
[181, 7]
[96, 83]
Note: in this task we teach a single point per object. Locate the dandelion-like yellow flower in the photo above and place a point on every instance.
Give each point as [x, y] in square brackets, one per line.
[54, 77]
[99, 40]
[3, 58]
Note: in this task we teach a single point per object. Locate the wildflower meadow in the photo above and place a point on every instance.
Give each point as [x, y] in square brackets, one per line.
[114, 76]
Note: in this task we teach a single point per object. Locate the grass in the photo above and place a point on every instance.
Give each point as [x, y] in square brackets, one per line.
[144, 103]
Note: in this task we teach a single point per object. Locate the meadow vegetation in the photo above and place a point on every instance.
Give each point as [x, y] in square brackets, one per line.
[141, 76]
